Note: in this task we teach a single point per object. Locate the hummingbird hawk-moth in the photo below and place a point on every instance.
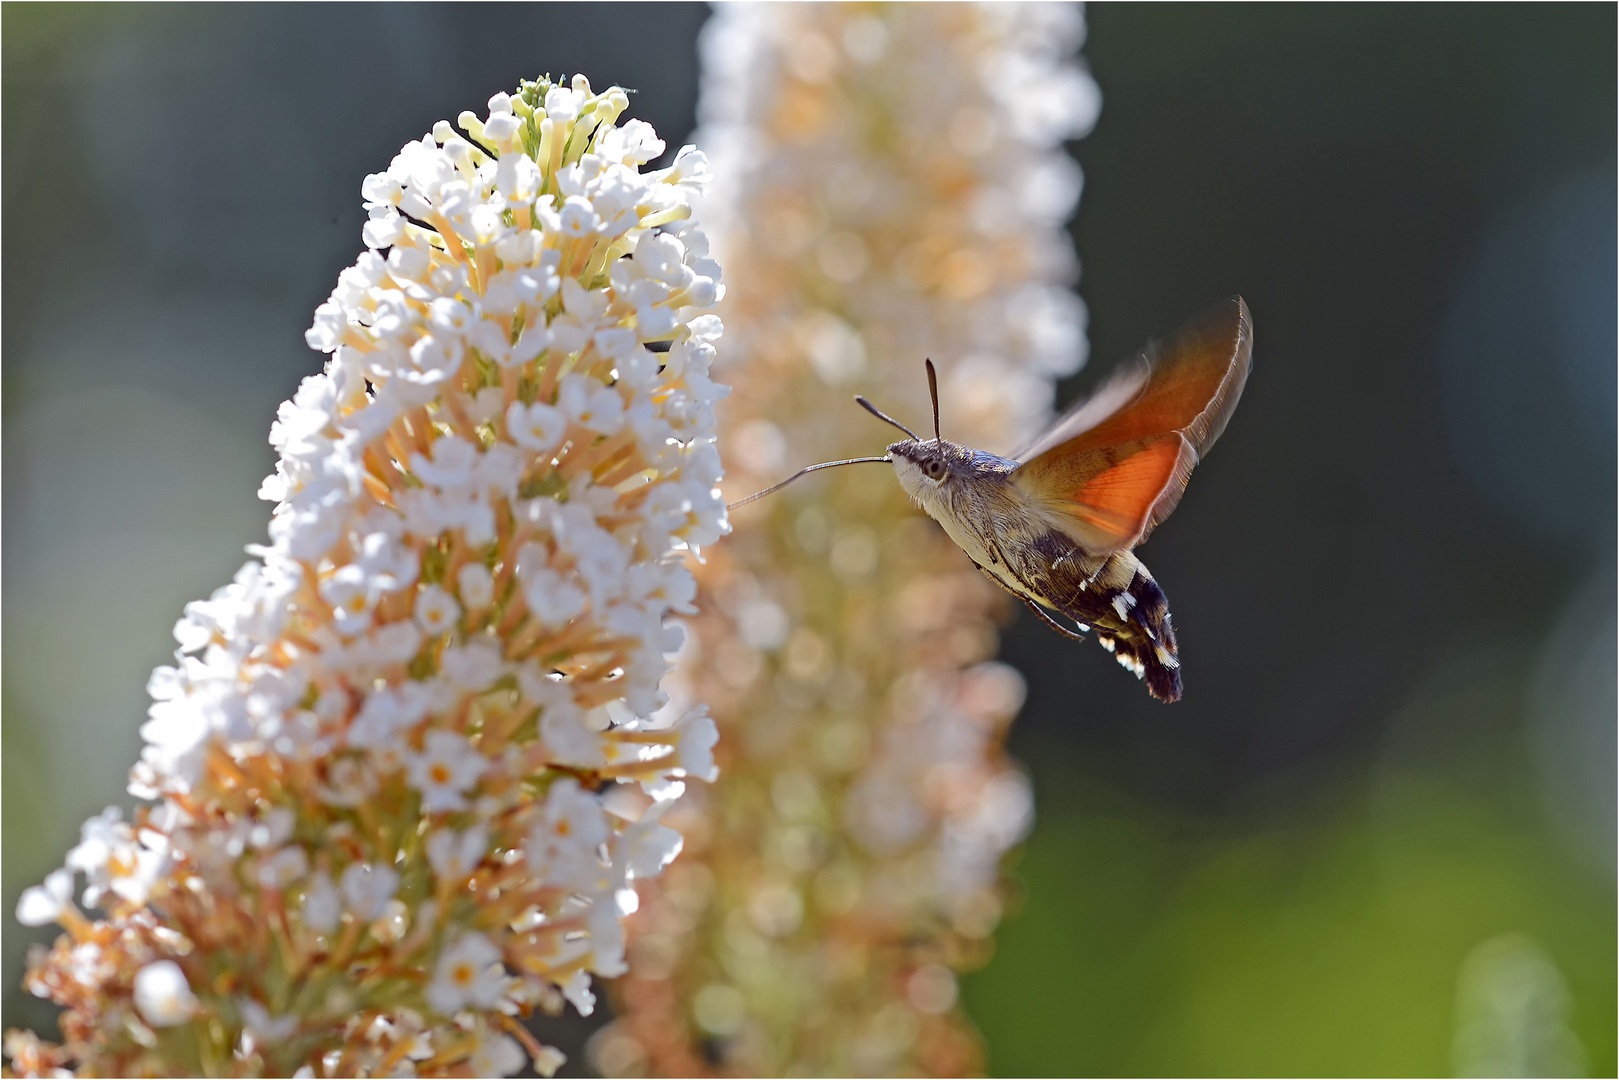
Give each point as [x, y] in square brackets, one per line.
[1056, 523]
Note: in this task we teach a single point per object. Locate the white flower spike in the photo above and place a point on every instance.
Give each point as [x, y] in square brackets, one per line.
[380, 748]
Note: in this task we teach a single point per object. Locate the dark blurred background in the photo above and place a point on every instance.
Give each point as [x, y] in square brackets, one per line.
[1376, 837]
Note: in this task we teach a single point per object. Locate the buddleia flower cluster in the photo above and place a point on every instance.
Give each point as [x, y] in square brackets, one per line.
[891, 186]
[409, 767]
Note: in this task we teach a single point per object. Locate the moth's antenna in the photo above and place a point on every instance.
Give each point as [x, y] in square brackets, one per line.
[933, 391]
[879, 414]
[807, 469]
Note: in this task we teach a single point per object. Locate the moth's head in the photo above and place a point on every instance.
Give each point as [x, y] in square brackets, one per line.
[924, 467]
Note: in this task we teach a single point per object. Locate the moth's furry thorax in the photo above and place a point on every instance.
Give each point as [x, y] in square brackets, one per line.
[965, 490]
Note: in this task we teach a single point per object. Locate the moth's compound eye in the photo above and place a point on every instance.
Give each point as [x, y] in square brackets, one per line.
[934, 468]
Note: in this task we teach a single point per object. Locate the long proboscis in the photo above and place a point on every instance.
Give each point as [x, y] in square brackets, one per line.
[801, 472]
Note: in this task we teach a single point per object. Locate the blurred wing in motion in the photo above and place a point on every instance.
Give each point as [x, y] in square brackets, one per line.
[1116, 463]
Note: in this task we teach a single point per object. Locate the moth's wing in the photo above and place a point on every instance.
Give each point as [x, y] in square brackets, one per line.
[1108, 499]
[1190, 386]
[1117, 463]
[1123, 386]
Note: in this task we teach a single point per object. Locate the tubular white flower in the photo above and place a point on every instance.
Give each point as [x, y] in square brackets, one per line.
[163, 995]
[468, 973]
[385, 745]
[41, 905]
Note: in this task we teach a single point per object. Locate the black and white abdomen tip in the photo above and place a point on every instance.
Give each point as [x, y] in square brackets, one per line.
[1146, 645]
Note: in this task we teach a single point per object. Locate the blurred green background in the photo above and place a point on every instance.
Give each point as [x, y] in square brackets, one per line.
[1377, 836]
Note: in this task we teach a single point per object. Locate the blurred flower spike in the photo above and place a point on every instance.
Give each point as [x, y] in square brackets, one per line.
[891, 185]
[410, 764]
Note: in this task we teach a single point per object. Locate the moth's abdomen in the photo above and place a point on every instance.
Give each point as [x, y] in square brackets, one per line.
[1128, 611]
[1146, 642]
